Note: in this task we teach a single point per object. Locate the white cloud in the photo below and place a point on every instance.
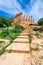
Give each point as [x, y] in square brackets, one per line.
[10, 6]
[37, 10]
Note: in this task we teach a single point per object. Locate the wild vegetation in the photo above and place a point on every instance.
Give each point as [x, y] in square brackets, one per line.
[40, 21]
[5, 21]
[30, 38]
[10, 34]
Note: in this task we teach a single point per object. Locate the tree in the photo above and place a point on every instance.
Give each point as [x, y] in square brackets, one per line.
[40, 22]
[5, 21]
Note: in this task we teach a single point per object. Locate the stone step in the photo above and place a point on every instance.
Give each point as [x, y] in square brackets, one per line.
[21, 39]
[19, 46]
[15, 59]
[20, 42]
[18, 51]
[25, 33]
[22, 36]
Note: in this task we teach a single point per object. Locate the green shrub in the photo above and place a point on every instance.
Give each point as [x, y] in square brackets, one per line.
[36, 29]
[1, 51]
[30, 49]
[40, 22]
[41, 29]
[2, 41]
[18, 28]
[4, 33]
[35, 49]
[12, 38]
[5, 21]
[30, 38]
[37, 34]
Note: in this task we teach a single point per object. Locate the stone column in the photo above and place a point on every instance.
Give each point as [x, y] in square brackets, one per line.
[31, 18]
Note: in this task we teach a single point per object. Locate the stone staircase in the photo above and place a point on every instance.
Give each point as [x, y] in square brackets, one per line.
[20, 44]
[20, 54]
[20, 51]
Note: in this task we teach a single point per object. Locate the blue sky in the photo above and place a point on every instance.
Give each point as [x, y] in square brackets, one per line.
[32, 8]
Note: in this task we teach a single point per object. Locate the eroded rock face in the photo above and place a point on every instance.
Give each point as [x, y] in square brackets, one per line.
[34, 45]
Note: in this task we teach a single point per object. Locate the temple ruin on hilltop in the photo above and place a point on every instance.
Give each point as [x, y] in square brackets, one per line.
[22, 19]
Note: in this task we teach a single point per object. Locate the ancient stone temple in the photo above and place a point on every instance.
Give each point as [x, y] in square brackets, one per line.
[22, 19]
